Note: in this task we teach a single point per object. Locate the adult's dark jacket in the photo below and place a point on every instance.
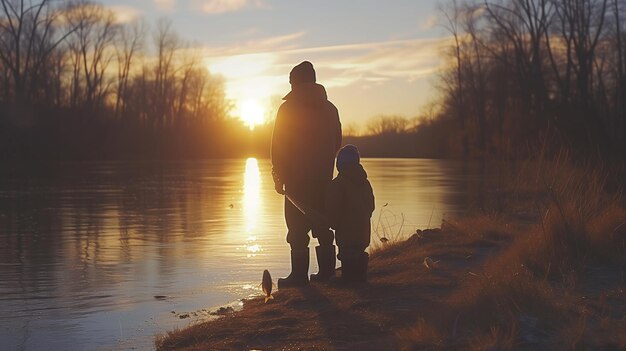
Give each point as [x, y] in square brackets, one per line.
[307, 135]
[349, 207]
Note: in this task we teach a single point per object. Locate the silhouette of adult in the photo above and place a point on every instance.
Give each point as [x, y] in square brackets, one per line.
[307, 135]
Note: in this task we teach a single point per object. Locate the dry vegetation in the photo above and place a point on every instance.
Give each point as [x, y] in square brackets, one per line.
[543, 272]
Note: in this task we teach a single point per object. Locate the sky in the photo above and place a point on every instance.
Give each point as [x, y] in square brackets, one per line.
[374, 57]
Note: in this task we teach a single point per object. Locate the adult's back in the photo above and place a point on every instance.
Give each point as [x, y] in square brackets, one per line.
[307, 135]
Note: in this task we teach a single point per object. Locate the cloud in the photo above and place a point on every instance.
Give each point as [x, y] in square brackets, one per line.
[255, 46]
[364, 79]
[124, 13]
[252, 68]
[374, 62]
[165, 5]
[259, 69]
[430, 22]
[223, 6]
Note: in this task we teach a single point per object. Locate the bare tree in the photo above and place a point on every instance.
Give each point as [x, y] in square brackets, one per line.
[384, 125]
[521, 65]
[27, 39]
[166, 43]
[92, 48]
[187, 70]
[130, 41]
[524, 24]
[475, 76]
[350, 129]
[584, 22]
[620, 94]
[453, 14]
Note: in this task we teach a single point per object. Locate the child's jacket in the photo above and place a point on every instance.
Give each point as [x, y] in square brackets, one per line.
[349, 207]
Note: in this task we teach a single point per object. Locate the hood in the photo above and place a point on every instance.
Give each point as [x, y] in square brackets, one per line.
[354, 173]
[307, 92]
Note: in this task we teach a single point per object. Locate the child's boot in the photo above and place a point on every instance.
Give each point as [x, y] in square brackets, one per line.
[354, 266]
[349, 265]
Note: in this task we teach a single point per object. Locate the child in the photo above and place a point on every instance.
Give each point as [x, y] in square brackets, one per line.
[349, 206]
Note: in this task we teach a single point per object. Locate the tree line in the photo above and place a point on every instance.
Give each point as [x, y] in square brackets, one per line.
[521, 75]
[76, 81]
[525, 72]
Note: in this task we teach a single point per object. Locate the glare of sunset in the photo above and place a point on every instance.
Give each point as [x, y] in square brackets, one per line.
[251, 113]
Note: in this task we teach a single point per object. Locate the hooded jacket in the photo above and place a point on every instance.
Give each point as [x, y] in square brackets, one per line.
[306, 137]
[349, 207]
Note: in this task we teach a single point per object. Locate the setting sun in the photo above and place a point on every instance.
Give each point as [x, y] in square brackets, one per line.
[251, 113]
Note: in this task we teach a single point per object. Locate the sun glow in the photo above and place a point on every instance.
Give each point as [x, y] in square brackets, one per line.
[252, 204]
[251, 195]
[251, 113]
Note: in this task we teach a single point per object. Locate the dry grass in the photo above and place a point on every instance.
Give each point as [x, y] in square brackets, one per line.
[503, 281]
[548, 289]
[582, 222]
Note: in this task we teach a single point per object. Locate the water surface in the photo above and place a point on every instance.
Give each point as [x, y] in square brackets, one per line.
[86, 247]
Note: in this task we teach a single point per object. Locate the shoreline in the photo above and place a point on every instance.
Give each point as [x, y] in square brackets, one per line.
[407, 305]
[544, 269]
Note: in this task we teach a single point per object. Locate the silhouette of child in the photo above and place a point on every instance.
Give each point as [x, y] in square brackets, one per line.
[349, 207]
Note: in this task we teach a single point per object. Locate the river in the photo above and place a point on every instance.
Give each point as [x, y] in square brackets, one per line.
[86, 247]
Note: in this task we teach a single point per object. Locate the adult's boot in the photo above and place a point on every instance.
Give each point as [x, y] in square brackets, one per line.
[299, 275]
[360, 273]
[326, 262]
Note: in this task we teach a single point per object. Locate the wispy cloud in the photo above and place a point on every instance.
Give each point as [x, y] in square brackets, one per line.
[165, 5]
[272, 44]
[252, 68]
[223, 6]
[377, 62]
[125, 13]
[261, 69]
[255, 46]
[430, 22]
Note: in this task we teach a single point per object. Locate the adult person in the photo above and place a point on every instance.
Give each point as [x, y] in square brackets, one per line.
[306, 137]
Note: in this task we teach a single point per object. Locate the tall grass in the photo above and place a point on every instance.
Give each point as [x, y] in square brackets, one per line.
[528, 295]
[582, 215]
[386, 227]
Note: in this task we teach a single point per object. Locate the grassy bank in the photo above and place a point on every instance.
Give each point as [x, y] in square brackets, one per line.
[540, 267]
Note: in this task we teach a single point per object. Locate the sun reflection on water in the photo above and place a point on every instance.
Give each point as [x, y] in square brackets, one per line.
[251, 204]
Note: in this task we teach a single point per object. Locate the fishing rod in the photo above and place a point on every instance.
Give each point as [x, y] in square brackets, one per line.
[318, 219]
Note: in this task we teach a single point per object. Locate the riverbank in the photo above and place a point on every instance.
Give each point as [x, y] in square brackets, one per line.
[544, 272]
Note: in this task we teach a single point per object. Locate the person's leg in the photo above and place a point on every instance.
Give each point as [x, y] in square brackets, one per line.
[361, 270]
[297, 227]
[354, 261]
[325, 251]
[298, 238]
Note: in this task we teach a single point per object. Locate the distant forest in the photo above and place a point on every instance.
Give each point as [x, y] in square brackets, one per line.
[76, 83]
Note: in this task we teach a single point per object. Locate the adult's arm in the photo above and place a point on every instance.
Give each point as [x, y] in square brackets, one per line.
[337, 123]
[278, 145]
